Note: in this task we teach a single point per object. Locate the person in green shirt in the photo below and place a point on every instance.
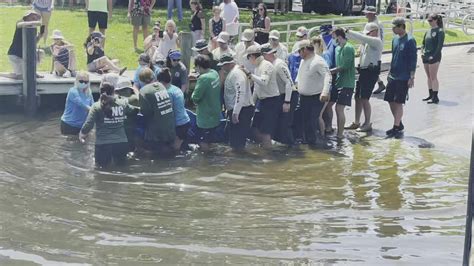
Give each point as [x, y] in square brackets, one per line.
[157, 110]
[207, 97]
[431, 55]
[345, 80]
[109, 115]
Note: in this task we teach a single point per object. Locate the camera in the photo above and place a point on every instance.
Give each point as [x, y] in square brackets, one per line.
[97, 39]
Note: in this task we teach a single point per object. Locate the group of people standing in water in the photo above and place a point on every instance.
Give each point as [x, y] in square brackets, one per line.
[262, 92]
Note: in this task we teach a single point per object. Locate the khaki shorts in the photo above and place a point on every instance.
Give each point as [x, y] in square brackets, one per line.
[17, 63]
[140, 20]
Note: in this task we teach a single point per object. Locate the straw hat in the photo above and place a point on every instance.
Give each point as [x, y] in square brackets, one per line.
[57, 35]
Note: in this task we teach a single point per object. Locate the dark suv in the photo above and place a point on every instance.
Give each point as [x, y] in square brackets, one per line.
[346, 7]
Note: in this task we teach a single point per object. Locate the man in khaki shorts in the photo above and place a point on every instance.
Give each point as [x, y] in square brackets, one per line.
[139, 14]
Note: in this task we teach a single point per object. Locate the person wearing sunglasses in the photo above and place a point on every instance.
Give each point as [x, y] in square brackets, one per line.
[431, 55]
[179, 72]
[369, 71]
[261, 24]
[401, 76]
[78, 103]
[301, 34]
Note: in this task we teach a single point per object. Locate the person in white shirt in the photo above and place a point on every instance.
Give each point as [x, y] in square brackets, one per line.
[266, 91]
[238, 102]
[301, 35]
[247, 40]
[281, 49]
[230, 13]
[288, 96]
[369, 71]
[169, 40]
[371, 15]
[223, 41]
[314, 82]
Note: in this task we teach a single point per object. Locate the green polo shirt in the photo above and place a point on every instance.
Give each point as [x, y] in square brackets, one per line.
[207, 97]
[345, 62]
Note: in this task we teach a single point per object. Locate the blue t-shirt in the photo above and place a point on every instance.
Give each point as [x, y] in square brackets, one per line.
[136, 78]
[294, 61]
[403, 57]
[177, 99]
[75, 111]
[330, 54]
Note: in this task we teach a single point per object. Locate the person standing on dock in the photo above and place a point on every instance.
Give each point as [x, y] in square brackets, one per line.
[44, 8]
[78, 103]
[15, 52]
[402, 73]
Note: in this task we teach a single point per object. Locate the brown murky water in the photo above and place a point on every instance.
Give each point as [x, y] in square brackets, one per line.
[373, 202]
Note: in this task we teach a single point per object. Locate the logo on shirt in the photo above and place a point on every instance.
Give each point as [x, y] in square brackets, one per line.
[176, 74]
[433, 34]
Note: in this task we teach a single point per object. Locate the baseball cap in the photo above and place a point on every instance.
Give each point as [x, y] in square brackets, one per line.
[144, 58]
[248, 35]
[325, 28]
[225, 59]
[303, 44]
[267, 49]
[301, 31]
[253, 49]
[200, 45]
[370, 9]
[175, 55]
[370, 27]
[97, 34]
[223, 37]
[274, 34]
[124, 84]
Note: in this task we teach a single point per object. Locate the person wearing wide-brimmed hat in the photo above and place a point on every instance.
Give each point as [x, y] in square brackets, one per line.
[288, 96]
[237, 101]
[301, 34]
[202, 47]
[63, 56]
[223, 41]
[246, 40]
[280, 48]
[266, 92]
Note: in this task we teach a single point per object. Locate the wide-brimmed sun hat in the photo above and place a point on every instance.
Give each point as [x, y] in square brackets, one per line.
[57, 35]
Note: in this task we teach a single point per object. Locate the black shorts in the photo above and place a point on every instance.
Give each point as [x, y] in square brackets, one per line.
[365, 84]
[284, 133]
[182, 131]
[105, 153]
[207, 135]
[97, 17]
[344, 96]
[67, 129]
[238, 133]
[426, 60]
[269, 112]
[334, 93]
[397, 91]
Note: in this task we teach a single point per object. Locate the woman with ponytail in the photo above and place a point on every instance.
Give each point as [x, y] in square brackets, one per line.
[431, 55]
[108, 114]
[78, 102]
[181, 117]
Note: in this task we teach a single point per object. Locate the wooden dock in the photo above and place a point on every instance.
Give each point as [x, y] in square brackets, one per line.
[52, 84]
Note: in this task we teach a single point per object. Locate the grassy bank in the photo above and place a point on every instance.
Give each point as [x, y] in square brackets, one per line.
[73, 24]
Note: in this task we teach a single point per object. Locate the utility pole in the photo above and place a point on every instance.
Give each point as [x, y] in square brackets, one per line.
[379, 3]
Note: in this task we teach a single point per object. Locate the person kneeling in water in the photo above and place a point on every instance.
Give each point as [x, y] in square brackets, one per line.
[109, 114]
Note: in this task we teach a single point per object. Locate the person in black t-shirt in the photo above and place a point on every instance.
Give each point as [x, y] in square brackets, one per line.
[96, 59]
[15, 52]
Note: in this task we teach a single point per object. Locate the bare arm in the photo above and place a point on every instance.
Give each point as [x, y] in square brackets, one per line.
[267, 25]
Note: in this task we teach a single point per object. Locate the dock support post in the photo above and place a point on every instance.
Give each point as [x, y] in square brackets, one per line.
[186, 44]
[30, 102]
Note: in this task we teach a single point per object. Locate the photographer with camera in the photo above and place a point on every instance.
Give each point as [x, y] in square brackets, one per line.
[369, 71]
[261, 24]
[152, 42]
[96, 59]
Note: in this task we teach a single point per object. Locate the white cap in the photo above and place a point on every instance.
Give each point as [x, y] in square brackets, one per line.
[223, 37]
[274, 34]
[248, 35]
[301, 31]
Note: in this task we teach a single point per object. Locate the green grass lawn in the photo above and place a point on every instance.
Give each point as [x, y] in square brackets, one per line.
[73, 24]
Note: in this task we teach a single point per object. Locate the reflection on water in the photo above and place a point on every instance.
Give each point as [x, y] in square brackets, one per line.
[377, 201]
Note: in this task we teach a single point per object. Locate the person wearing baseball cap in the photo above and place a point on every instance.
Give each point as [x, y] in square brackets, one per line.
[144, 60]
[247, 39]
[152, 41]
[301, 34]
[179, 72]
[223, 42]
[288, 98]
[401, 76]
[369, 71]
[237, 101]
[314, 82]
[266, 91]
[281, 49]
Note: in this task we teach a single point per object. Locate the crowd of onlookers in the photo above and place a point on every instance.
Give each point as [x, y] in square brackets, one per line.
[265, 91]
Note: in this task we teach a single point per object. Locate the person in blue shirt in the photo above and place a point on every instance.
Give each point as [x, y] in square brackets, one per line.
[78, 102]
[143, 61]
[402, 73]
[182, 119]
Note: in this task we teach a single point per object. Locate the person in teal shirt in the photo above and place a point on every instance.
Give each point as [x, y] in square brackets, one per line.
[345, 79]
[431, 55]
[207, 97]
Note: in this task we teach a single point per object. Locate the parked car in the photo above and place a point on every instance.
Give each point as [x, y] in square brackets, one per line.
[268, 3]
[395, 6]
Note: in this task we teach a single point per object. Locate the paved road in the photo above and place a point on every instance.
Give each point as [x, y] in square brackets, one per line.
[449, 124]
